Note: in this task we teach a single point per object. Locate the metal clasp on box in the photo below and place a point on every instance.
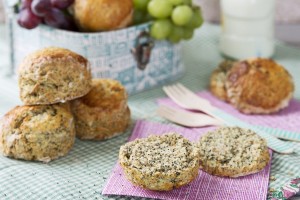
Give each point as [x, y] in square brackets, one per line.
[142, 50]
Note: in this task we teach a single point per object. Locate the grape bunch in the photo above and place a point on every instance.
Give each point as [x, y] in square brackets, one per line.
[50, 12]
[173, 20]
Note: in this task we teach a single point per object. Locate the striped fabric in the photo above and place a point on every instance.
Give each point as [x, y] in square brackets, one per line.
[205, 186]
[284, 134]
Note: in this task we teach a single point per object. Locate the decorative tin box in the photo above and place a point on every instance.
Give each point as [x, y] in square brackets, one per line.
[128, 55]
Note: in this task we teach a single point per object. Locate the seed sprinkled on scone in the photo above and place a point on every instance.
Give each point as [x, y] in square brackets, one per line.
[160, 162]
[233, 152]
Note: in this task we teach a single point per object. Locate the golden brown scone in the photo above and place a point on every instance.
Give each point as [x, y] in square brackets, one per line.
[53, 75]
[218, 79]
[40, 133]
[160, 162]
[259, 86]
[103, 15]
[233, 152]
[102, 113]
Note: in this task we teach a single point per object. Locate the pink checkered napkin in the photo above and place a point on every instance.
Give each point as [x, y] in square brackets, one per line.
[204, 187]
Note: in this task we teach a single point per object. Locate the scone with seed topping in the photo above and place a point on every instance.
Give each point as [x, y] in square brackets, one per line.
[160, 162]
[40, 133]
[52, 75]
[102, 113]
[233, 152]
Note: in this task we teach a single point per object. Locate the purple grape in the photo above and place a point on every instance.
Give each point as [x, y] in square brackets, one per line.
[56, 18]
[61, 4]
[40, 7]
[25, 4]
[27, 19]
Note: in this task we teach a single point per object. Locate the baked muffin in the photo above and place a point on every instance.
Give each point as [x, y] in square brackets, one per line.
[233, 152]
[53, 75]
[160, 162]
[102, 113]
[218, 79]
[259, 86]
[40, 133]
[102, 15]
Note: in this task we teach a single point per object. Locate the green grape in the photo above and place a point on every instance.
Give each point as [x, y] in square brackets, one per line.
[176, 2]
[187, 2]
[160, 29]
[148, 18]
[181, 15]
[138, 17]
[160, 8]
[176, 34]
[188, 33]
[197, 19]
[140, 4]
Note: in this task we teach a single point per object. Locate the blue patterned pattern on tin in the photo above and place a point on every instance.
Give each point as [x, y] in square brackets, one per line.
[108, 52]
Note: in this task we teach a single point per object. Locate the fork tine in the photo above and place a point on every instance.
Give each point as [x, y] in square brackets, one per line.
[184, 89]
[186, 118]
[168, 90]
[176, 89]
[190, 92]
[187, 91]
[164, 112]
[173, 113]
[174, 95]
[172, 90]
[169, 114]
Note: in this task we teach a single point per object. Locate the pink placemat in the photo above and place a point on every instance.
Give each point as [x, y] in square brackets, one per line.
[205, 186]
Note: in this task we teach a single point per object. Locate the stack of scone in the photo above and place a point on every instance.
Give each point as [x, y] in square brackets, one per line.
[258, 86]
[55, 84]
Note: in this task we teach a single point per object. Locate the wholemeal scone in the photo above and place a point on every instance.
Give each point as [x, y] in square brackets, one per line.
[218, 79]
[160, 162]
[233, 152]
[259, 86]
[102, 113]
[53, 75]
[40, 133]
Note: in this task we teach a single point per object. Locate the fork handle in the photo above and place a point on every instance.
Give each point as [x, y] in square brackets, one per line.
[279, 133]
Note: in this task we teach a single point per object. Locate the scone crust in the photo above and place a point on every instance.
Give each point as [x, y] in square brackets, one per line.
[40, 133]
[233, 152]
[218, 79]
[259, 86]
[102, 113]
[160, 163]
[116, 14]
[53, 75]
